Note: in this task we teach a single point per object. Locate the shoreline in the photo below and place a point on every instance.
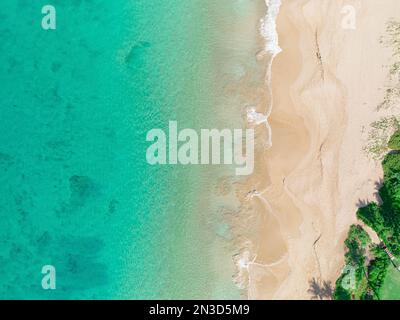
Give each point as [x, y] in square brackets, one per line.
[309, 181]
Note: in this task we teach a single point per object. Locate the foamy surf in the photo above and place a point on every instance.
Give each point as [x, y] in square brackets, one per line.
[255, 117]
[268, 27]
[268, 30]
[272, 49]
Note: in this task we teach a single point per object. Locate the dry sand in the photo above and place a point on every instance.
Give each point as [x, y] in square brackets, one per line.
[326, 86]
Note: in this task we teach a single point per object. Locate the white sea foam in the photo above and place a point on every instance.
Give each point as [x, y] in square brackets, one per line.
[242, 261]
[255, 117]
[268, 27]
[268, 30]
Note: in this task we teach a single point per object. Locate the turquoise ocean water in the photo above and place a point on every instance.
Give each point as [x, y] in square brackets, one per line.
[75, 190]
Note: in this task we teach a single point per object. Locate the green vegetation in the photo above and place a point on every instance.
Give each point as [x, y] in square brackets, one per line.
[371, 262]
[340, 292]
[377, 270]
[357, 243]
[375, 275]
[394, 142]
[391, 287]
[385, 219]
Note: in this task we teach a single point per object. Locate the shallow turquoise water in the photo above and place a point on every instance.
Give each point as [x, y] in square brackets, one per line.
[76, 191]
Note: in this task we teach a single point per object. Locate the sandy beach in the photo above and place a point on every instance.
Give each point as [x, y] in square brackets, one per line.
[326, 85]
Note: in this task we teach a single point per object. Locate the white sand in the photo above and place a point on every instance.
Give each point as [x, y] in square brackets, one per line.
[317, 171]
